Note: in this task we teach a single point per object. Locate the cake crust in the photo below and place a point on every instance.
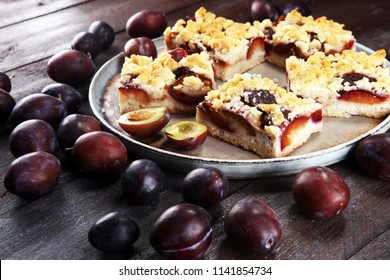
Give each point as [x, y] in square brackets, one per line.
[301, 36]
[350, 83]
[255, 113]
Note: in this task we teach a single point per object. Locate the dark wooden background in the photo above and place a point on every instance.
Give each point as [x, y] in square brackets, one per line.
[56, 226]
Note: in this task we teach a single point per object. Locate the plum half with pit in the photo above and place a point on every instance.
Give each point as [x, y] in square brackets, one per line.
[183, 231]
[144, 122]
[320, 192]
[186, 134]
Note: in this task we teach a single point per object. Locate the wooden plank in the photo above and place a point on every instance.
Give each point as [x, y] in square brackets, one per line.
[61, 220]
[19, 44]
[377, 249]
[21, 10]
[55, 227]
[32, 78]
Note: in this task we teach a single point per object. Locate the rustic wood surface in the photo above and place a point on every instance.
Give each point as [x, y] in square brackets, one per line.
[56, 226]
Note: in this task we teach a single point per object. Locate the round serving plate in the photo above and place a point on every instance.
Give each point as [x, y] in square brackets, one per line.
[334, 143]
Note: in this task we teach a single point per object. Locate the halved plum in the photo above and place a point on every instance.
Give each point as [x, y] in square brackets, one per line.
[187, 134]
[145, 122]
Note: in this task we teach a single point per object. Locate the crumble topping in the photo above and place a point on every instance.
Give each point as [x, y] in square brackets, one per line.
[249, 96]
[228, 40]
[323, 77]
[311, 35]
[155, 75]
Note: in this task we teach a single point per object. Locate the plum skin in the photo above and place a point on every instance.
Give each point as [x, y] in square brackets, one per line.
[31, 136]
[142, 181]
[7, 103]
[114, 233]
[39, 106]
[99, 153]
[146, 23]
[32, 175]
[140, 46]
[373, 155]
[183, 231]
[72, 127]
[320, 192]
[71, 67]
[205, 187]
[253, 226]
[182, 134]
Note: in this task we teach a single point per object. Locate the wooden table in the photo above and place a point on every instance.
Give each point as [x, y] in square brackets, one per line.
[56, 226]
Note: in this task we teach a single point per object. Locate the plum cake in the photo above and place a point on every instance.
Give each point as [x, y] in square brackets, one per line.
[233, 47]
[258, 115]
[303, 36]
[350, 83]
[176, 82]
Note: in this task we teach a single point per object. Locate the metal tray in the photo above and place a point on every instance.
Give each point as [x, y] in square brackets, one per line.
[333, 144]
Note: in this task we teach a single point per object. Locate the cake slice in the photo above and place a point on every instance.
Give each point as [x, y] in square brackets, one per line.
[177, 85]
[351, 83]
[233, 47]
[255, 113]
[303, 36]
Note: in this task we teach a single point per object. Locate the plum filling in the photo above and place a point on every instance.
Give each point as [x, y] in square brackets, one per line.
[181, 71]
[136, 93]
[286, 50]
[291, 130]
[297, 124]
[186, 94]
[359, 96]
[283, 49]
[255, 43]
[352, 78]
[256, 97]
[171, 44]
[227, 120]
